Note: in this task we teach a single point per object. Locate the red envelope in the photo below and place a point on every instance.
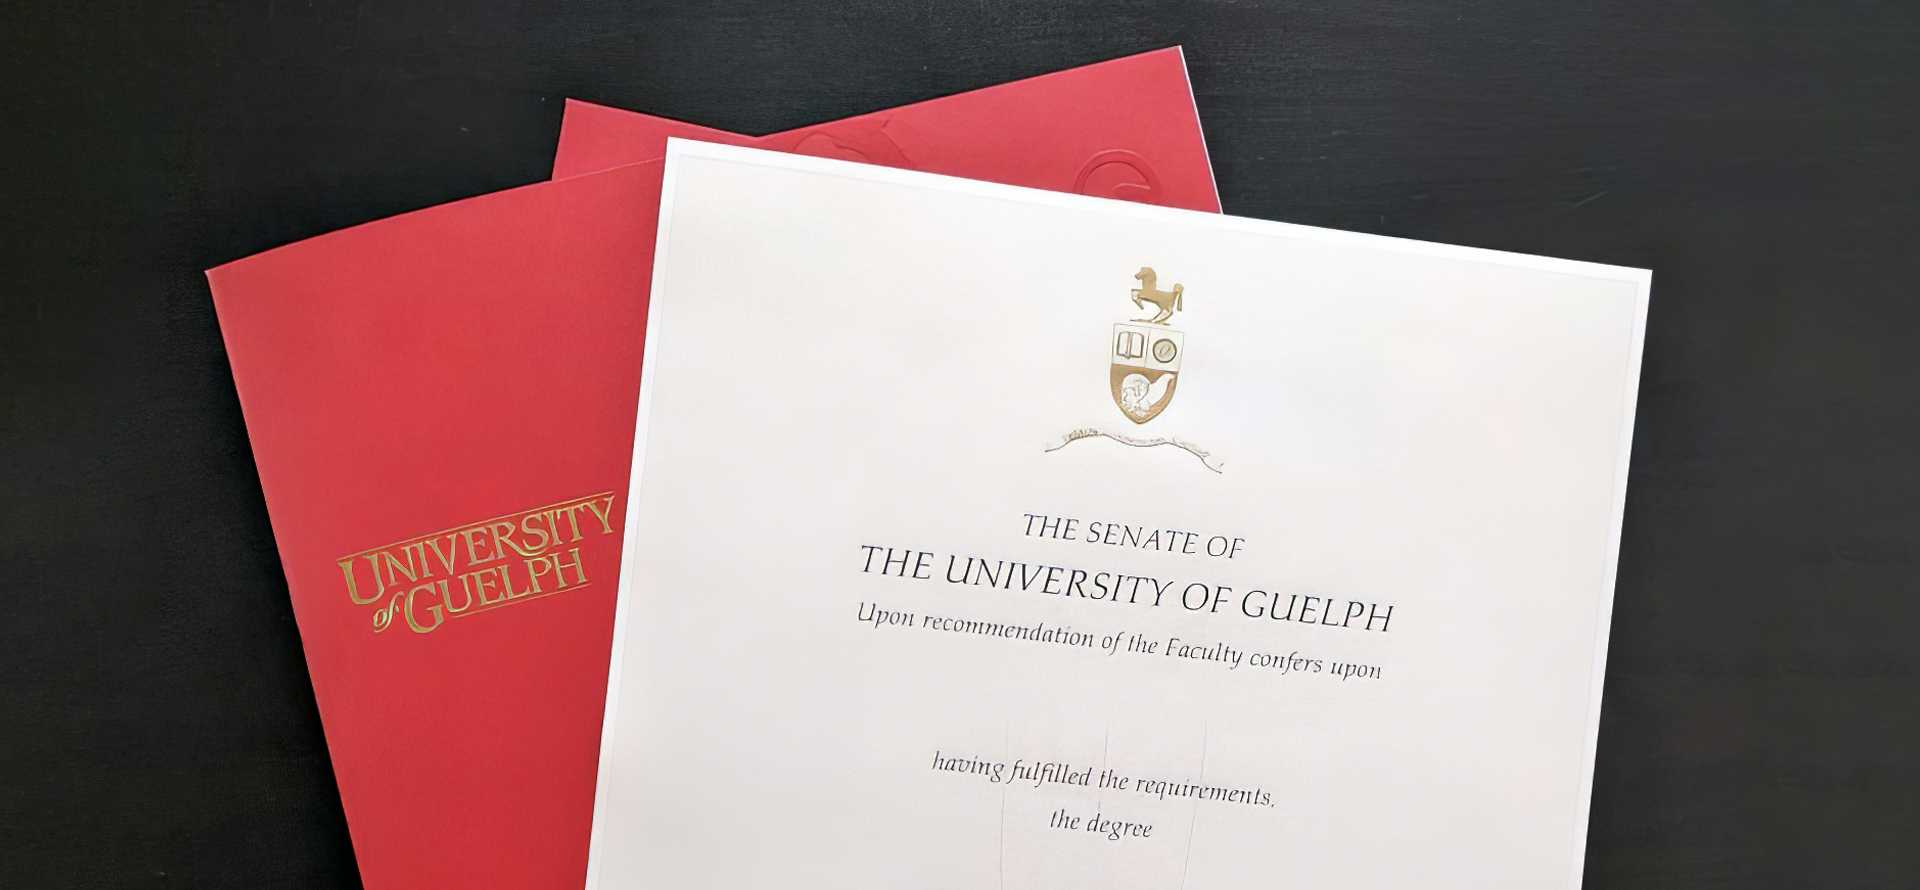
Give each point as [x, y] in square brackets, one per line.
[1130, 133]
[441, 408]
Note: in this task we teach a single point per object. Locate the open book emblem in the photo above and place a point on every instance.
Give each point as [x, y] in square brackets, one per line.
[1146, 353]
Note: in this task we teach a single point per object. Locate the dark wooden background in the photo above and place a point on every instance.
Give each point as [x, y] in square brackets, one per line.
[1762, 709]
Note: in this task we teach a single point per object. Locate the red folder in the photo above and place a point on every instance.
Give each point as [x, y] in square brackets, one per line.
[441, 409]
[1119, 129]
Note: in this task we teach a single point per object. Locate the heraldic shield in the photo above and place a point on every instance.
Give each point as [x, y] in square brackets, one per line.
[1145, 368]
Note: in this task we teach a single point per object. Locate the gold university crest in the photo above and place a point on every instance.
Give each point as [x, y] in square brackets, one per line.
[1146, 353]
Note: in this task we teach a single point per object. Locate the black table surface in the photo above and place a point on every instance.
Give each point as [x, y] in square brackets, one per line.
[1762, 710]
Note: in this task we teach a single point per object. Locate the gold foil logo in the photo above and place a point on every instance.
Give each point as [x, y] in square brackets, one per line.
[1144, 366]
[478, 567]
[1143, 369]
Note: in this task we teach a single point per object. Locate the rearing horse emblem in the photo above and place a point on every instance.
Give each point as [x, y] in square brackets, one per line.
[1166, 300]
[1145, 353]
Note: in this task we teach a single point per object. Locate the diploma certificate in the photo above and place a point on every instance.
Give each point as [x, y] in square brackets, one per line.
[982, 537]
